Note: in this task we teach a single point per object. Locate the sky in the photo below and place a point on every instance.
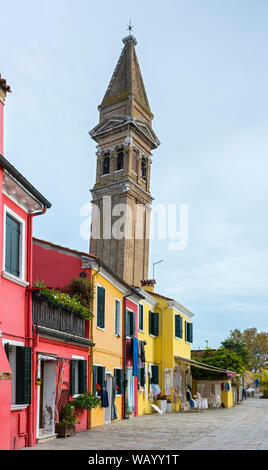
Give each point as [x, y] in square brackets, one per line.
[205, 69]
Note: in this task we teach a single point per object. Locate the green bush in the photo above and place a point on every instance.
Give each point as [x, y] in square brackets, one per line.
[87, 401]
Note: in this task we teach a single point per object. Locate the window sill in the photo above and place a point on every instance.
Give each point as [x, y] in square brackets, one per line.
[18, 407]
[142, 331]
[16, 280]
[99, 328]
[121, 169]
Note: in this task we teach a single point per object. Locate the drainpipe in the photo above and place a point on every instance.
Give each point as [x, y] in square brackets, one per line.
[28, 326]
[91, 347]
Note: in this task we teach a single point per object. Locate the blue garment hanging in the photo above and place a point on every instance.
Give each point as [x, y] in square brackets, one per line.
[135, 372]
[104, 398]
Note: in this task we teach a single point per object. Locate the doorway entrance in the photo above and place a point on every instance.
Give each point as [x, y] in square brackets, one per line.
[109, 387]
[46, 396]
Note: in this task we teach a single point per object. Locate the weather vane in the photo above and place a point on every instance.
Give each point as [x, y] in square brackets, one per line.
[130, 27]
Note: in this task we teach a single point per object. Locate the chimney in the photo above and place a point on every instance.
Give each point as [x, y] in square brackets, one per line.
[4, 89]
[148, 285]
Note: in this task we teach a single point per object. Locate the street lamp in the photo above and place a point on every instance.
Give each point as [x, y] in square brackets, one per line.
[156, 262]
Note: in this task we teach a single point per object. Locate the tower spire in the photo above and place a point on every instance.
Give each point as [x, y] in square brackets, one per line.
[126, 85]
[125, 141]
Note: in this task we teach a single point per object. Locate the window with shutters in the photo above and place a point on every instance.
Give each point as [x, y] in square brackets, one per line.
[117, 317]
[14, 244]
[153, 323]
[78, 376]
[118, 374]
[141, 317]
[20, 360]
[98, 379]
[130, 323]
[100, 307]
[188, 332]
[178, 326]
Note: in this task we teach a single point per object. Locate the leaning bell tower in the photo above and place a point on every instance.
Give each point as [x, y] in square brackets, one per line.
[121, 195]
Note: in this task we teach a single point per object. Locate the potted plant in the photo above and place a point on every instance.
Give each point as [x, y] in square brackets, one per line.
[37, 288]
[162, 402]
[68, 419]
[128, 413]
[169, 406]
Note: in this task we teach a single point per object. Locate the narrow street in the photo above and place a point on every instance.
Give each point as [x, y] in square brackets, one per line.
[244, 427]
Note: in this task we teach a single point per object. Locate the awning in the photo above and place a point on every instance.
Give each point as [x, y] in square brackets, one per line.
[201, 365]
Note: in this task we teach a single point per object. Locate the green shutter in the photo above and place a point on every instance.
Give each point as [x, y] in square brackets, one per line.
[94, 380]
[100, 376]
[156, 324]
[153, 323]
[130, 323]
[190, 332]
[12, 255]
[117, 317]
[180, 330]
[141, 325]
[121, 382]
[142, 377]
[101, 307]
[186, 330]
[118, 374]
[154, 379]
[23, 375]
[150, 322]
[133, 323]
[177, 326]
[82, 376]
[72, 376]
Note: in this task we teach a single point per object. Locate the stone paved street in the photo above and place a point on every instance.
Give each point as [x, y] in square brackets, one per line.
[244, 427]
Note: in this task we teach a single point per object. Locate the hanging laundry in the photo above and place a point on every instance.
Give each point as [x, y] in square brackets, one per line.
[104, 398]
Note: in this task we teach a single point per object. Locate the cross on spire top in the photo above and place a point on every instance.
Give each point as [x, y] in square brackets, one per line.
[130, 27]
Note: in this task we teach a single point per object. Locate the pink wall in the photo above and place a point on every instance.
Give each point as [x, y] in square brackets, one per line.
[55, 268]
[13, 299]
[66, 351]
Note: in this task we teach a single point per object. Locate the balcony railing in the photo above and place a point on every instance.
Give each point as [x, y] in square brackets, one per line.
[57, 318]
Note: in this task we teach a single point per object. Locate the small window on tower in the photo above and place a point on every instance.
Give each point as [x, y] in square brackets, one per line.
[144, 169]
[106, 165]
[120, 161]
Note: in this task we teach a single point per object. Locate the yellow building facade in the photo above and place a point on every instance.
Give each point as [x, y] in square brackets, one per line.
[165, 351]
[106, 332]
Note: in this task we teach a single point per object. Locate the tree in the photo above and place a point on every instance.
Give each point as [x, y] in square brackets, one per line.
[256, 344]
[223, 358]
[238, 346]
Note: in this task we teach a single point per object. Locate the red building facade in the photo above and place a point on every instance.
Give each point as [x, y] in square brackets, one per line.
[20, 202]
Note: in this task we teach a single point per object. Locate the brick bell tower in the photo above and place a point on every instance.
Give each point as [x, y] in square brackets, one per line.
[121, 195]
